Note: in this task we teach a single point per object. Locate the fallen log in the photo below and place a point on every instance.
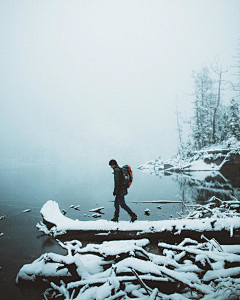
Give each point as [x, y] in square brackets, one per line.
[225, 230]
[215, 274]
[197, 287]
[215, 256]
[128, 278]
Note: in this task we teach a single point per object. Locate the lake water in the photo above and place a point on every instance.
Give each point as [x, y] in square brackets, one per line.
[29, 186]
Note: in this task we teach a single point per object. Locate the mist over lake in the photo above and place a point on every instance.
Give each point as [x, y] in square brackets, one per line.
[83, 82]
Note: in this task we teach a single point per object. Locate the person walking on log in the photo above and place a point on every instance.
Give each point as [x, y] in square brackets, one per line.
[119, 192]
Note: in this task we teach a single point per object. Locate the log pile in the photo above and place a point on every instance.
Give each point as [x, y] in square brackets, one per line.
[127, 270]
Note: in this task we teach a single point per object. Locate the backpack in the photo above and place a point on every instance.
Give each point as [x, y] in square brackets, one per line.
[127, 176]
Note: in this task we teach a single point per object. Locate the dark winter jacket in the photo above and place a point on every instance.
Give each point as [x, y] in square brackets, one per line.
[118, 178]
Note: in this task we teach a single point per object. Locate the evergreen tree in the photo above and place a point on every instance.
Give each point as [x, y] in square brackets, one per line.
[234, 115]
[222, 124]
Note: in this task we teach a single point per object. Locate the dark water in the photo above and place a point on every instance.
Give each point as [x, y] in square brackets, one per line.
[29, 186]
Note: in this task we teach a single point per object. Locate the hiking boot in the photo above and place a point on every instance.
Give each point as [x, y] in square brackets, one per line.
[134, 218]
[115, 219]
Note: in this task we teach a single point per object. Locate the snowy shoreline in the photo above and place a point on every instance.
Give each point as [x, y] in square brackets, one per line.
[213, 159]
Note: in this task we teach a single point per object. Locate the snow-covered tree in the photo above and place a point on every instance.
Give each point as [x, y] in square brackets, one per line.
[218, 105]
[222, 124]
[179, 130]
[204, 104]
[236, 67]
[234, 116]
[213, 121]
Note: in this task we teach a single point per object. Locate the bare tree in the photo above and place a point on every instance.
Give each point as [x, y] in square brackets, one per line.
[203, 104]
[179, 128]
[236, 86]
[217, 70]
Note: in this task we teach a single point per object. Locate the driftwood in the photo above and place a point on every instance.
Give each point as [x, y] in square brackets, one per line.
[128, 270]
[125, 269]
[201, 289]
[140, 281]
[214, 208]
[226, 258]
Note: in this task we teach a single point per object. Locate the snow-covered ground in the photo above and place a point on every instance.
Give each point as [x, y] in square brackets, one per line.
[197, 160]
[152, 166]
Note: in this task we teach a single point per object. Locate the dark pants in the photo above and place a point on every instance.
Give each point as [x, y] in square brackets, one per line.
[119, 201]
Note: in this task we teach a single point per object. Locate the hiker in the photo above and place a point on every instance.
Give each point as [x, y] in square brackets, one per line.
[119, 192]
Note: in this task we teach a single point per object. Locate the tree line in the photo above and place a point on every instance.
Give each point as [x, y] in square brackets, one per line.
[213, 120]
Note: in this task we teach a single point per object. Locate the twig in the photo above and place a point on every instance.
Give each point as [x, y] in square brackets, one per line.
[140, 281]
[213, 242]
[45, 297]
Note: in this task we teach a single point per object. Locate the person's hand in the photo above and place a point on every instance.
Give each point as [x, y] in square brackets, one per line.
[114, 193]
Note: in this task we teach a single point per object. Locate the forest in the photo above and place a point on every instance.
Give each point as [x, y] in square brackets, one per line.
[215, 114]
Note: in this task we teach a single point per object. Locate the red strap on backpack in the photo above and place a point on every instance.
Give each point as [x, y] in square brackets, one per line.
[131, 175]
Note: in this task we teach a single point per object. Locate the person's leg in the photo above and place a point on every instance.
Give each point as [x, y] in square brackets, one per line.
[123, 204]
[116, 205]
[116, 213]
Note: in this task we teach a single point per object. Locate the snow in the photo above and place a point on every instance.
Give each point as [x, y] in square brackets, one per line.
[197, 160]
[40, 268]
[106, 248]
[200, 165]
[133, 263]
[27, 210]
[96, 215]
[152, 165]
[100, 269]
[124, 269]
[52, 214]
[210, 275]
[98, 209]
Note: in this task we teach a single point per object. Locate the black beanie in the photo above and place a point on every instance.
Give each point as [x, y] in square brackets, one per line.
[112, 162]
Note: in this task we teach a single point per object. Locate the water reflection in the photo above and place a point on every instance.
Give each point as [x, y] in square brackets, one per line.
[200, 186]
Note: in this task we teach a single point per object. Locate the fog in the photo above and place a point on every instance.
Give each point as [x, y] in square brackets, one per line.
[95, 80]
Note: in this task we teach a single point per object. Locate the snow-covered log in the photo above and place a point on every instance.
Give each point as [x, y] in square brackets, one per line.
[110, 274]
[56, 224]
[213, 255]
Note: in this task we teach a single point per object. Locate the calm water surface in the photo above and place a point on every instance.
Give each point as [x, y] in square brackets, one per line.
[29, 186]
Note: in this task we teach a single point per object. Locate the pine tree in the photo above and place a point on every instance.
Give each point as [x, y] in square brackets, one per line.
[234, 115]
[222, 124]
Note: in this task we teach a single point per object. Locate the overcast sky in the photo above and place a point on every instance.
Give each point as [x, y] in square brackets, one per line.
[98, 79]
